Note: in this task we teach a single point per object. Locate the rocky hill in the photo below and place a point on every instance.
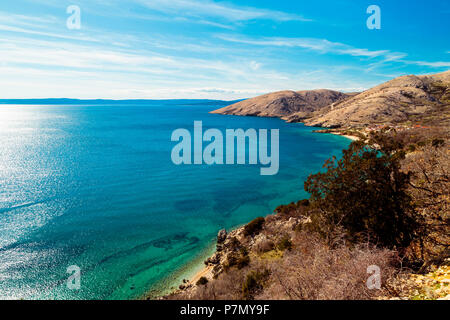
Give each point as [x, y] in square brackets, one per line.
[425, 99]
[414, 99]
[284, 103]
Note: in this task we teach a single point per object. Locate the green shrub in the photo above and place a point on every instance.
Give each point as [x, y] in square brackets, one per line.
[254, 227]
[202, 281]
[292, 208]
[365, 194]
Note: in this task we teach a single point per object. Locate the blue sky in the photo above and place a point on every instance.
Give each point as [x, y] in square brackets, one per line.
[159, 49]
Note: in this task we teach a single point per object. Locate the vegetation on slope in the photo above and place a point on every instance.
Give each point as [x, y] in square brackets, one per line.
[382, 204]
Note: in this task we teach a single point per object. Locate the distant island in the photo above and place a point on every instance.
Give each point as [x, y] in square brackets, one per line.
[67, 101]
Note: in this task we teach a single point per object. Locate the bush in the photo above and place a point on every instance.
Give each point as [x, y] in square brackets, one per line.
[365, 194]
[437, 143]
[253, 283]
[254, 227]
[285, 243]
[234, 259]
[411, 148]
[293, 208]
[303, 203]
[202, 281]
[242, 262]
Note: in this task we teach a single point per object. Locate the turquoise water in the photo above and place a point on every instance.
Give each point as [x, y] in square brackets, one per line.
[94, 186]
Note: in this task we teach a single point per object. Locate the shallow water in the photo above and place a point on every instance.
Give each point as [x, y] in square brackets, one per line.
[94, 186]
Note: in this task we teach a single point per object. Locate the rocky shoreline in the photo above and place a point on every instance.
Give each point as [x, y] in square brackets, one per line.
[234, 248]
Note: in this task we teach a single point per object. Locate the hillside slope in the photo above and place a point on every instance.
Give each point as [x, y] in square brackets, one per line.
[425, 99]
[284, 103]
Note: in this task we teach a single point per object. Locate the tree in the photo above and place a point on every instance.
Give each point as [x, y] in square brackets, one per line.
[365, 194]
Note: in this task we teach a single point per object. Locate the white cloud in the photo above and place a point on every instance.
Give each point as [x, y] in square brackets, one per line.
[435, 64]
[324, 46]
[207, 8]
[315, 44]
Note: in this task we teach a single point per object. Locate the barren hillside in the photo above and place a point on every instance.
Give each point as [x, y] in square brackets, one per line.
[284, 103]
[425, 99]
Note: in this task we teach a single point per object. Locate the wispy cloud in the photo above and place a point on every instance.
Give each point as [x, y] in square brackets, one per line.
[172, 49]
[315, 44]
[435, 64]
[324, 46]
[207, 8]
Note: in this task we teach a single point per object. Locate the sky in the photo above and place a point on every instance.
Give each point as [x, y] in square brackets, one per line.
[207, 49]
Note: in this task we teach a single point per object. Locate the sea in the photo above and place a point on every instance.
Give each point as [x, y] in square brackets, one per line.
[92, 206]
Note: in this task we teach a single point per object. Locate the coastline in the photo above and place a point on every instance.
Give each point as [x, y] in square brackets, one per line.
[198, 264]
[339, 133]
[203, 269]
[353, 138]
[192, 271]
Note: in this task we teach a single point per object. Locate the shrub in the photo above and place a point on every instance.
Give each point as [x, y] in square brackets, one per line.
[240, 260]
[243, 251]
[202, 281]
[430, 192]
[254, 227]
[437, 143]
[285, 243]
[253, 283]
[365, 193]
[304, 203]
[286, 209]
[292, 208]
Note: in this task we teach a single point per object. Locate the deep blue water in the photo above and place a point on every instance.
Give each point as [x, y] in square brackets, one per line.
[94, 186]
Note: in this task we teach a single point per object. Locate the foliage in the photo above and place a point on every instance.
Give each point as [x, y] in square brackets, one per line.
[285, 243]
[240, 260]
[293, 208]
[365, 194]
[202, 281]
[254, 227]
[253, 283]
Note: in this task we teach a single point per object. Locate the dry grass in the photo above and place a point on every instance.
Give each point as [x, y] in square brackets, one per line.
[314, 271]
[311, 270]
